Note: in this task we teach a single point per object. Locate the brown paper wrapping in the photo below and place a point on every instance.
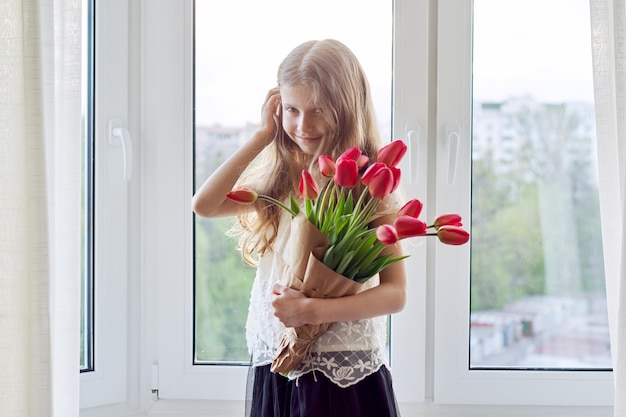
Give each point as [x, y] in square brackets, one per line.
[310, 276]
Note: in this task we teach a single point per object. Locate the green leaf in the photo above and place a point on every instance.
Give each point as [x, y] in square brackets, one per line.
[344, 262]
[372, 255]
[374, 268]
[364, 248]
[329, 259]
[349, 205]
[345, 236]
[329, 216]
[310, 213]
[294, 205]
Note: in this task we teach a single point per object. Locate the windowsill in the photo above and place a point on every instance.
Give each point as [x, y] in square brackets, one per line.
[113, 410]
[197, 408]
[430, 409]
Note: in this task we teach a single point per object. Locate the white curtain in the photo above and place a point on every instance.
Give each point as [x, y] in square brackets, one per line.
[608, 26]
[40, 210]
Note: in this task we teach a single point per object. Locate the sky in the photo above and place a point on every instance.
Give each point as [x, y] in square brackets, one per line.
[234, 74]
[542, 47]
[536, 47]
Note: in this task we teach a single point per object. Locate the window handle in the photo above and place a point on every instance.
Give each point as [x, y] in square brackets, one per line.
[119, 136]
[413, 139]
[452, 141]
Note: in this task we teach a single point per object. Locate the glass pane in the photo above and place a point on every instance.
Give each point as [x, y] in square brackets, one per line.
[537, 280]
[86, 318]
[236, 58]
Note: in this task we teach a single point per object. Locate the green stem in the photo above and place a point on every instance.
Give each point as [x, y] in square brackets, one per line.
[366, 213]
[310, 214]
[278, 203]
[321, 203]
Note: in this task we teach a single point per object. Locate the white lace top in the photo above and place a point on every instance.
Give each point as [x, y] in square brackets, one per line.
[346, 353]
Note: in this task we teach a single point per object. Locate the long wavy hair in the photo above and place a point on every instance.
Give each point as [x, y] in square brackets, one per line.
[338, 85]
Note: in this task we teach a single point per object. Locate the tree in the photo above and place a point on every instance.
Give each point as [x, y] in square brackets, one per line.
[507, 261]
[535, 217]
[222, 291]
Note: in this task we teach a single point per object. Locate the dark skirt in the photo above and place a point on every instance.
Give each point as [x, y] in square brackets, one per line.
[272, 395]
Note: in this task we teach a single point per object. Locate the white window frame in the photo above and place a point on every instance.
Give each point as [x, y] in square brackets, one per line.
[107, 384]
[454, 383]
[168, 194]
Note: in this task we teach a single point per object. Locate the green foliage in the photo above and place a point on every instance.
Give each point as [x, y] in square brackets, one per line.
[222, 291]
[508, 254]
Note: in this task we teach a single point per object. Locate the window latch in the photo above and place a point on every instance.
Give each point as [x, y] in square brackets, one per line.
[453, 136]
[413, 142]
[119, 136]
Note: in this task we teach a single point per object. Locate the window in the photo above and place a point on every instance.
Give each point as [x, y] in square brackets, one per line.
[182, 370]
[537, 277]
[534, 318]
[106, 267]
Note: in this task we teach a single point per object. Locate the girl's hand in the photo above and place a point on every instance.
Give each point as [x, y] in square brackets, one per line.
[270, 120]
[290, 306]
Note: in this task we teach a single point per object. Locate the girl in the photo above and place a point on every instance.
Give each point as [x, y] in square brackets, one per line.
[322, 105]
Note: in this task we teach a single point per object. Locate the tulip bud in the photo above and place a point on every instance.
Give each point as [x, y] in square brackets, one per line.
[452, 235]
[362, 161]
[396, 178]
[412, 208]
[353, 154]
[408, 226]
[243, 196]
[327, 165]
[381, 183]
[308, 187]
[387, 234]
[447, 220]
[369, 173]
[347, 173]
[392, 153]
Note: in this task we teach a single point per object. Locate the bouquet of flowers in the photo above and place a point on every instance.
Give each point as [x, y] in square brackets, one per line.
[334, 248]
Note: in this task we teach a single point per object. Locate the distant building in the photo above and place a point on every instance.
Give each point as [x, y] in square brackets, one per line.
[550, 136]
[213, 144]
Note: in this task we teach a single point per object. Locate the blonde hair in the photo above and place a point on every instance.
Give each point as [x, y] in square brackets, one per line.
[334, 77]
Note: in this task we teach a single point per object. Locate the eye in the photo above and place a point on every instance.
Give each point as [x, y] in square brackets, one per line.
[318, 110]
[290, 109]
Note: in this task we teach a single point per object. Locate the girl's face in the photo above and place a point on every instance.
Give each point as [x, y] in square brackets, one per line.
[302, 119]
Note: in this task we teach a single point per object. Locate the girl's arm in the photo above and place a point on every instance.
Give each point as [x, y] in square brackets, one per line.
[210, 199]
[294, 309]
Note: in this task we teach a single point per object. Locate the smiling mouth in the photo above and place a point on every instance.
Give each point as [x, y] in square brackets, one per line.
[307, 138]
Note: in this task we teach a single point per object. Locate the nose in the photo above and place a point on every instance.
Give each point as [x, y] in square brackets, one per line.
[305, 123]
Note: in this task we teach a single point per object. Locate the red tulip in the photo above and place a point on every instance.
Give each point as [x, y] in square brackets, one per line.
[408, 226]
[396, 177]
[362, 161]
[412, 208]
[352, 154]
[447, 220]
[392, 153]
[327, 165]
[387, 234]
[347, 173]
[381, 183]
[370, 171]
[452, 235]
[243, 196]
[308, 187]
